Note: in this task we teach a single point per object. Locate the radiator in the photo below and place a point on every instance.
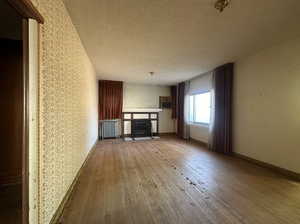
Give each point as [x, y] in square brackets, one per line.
[109, 129]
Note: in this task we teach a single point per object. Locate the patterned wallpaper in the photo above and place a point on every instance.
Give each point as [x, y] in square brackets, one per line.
[67, 107]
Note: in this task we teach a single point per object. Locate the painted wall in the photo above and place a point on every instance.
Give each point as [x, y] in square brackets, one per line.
[147, 96]
[67, 109]
[267, 106]
[200, 84]
[199, 132]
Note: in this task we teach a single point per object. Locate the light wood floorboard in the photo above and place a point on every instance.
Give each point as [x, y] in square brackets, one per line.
[173, 181]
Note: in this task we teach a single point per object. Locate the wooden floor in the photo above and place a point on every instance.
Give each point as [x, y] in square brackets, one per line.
[172, 181]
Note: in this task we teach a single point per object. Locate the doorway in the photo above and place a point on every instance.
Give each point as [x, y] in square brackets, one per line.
[17, 105]
[13, 159]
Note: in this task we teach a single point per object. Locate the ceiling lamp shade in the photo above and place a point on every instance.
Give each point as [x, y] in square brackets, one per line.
[221, 4]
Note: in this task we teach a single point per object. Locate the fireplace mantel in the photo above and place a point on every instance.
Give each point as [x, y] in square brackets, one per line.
[138, 110]
[131, 114]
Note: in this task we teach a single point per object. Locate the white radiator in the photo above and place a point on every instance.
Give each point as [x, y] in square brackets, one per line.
[109, 129]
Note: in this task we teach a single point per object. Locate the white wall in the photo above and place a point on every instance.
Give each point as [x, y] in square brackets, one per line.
[267, 106]
[147, 96]
[200, 84]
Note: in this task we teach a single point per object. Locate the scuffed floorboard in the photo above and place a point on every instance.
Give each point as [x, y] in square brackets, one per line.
[173, 181]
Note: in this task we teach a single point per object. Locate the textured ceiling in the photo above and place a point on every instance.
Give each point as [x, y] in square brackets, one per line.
[177, 39]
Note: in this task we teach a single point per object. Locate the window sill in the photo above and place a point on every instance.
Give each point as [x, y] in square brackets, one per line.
[200, 124]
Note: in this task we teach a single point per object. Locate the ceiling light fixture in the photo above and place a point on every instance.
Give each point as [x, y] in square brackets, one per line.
[222, 4]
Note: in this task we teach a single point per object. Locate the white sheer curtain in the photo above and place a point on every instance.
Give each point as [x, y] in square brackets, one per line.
[186, 110]
[212, 113]
[200, 84]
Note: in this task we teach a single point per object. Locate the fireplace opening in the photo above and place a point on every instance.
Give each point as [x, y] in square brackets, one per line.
[141, 128]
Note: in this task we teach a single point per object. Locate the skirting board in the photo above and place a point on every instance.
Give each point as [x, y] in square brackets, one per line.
[56, 217]
[203, 144]
[290, 174]
[155, 134]
[167, 133]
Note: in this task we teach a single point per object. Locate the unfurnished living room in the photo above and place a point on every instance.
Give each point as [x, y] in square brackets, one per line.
[150, 111]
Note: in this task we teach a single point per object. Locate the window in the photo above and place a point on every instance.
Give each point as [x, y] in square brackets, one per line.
[200, 108]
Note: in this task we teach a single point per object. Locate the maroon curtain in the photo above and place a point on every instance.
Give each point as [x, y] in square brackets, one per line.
[110, 99]
[221, 139]
[180, 109]
[174, 101]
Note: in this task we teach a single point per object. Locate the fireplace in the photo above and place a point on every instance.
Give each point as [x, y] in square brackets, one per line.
[141, 128]
[140, 122]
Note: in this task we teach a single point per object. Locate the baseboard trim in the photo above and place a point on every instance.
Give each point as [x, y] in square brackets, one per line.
[167, 134]
[57, 215]
[155, 134]
[290, 174]
[202, 143]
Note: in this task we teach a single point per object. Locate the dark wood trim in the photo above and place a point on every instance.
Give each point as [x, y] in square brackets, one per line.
[140, 112]
[167, 134]
[57, 215]
[25, 147]
[122, 127]
[290, 174]
[26, 9]
[145, 118]
[157, 124]
[130, 136]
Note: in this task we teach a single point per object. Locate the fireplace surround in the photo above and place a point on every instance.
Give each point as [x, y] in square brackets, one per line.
[133, 121]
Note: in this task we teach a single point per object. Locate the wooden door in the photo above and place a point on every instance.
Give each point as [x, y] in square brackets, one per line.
[11, 111]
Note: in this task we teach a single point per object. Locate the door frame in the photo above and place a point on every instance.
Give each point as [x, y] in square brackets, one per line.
[27, 11]
[25, 125]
